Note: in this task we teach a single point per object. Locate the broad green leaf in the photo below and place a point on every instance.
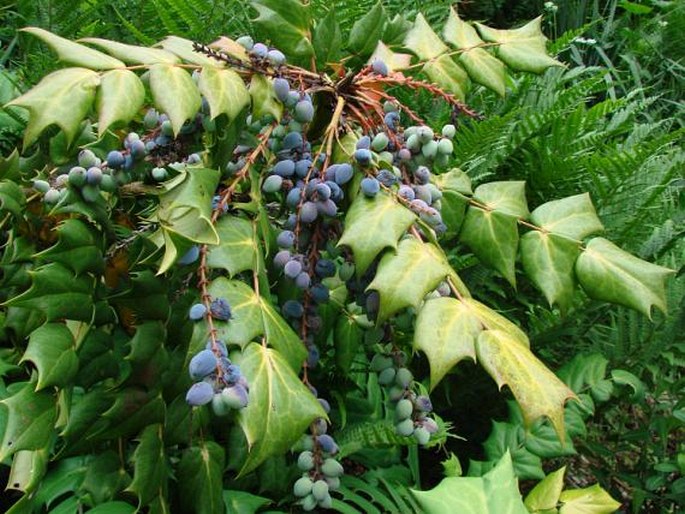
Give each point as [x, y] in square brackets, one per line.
[508, 197]
[114, 507]
[57, 293]
[545, 495]
[12, 198]
[493, 236]
[132, 410]
[150, 470]
[623, 377]
[174, 93]
[590, 500]
[454, 180]
[200, 479]
[183, 48]
[327, 39]
[373, 224]
[423, 41]
[544, 442]
[280, 406]
[63, 98]
[253, 316]
[367, 31]
[241, 502]
[105, 477]
[74, 53]
[51, 349]
[393, 60]
[286, 22]
[224, 90]
[522, 49]
[494, 493]
[548, 260]
[119, 98]
[264, 101]
[584, 370]
[537, 390]
[133, 54]
[573, 217]
[28, 469]
[65, 475]
[347, 337]
[78, 248]
[405, 277]
[237, 249]
[228, 46]
[491, 320]
[613, 275]
[31, 419]
[453, 211]
[446, 331]
[478, 62]
[508, 438]
[147, 342]
[450, 76]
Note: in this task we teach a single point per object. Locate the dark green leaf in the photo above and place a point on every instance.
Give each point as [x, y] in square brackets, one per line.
[78, 248]
[509, 438]
[12, 198]
[149, 466]
[113, 508]
[287, 24]
[327, 39]
[347, 336]
[199, 479]
[367, 31]
[51, 348]
[241, 502]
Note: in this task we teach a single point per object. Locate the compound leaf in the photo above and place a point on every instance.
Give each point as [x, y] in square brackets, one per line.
[368, 30]
[237, 249]
[133, 54]
[224, 90]
[174, 93]
[119, 98]
[573, 217]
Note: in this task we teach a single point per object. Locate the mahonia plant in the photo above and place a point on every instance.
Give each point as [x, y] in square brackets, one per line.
[199, 238]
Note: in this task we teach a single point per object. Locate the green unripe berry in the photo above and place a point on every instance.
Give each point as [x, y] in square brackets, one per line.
[107, 183]
[395, 393]
[159, 174]
[77, 176]
[346, 271]
[51, 196]
[333, 483]
[386, 376]
[430, 149]
[404, 409]
[332, 468]
[326, 502]
[272, 183]
[218, 405]
[42, 186]
[380, 142]
[403, 377]
[303, 486]
[380, 362]
[425, 134]
[305, 461]
[449, 131]
[445, 147]
[309, 503]
[87, 159]
[320, 490]
[90, 193]
[166, 129]
[405, 428]
[421, 435]
[412, 143]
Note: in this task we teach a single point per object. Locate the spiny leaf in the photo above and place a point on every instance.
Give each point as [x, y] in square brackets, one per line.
[224, 90]
[12, 198]
[30, 422]
[367, 31]
[423, 41]
[548, 260]
[404, 278]
[327, 39]
[537, 390]
[545, 495]
[393, 60]
[78, 247]
[237, 249]
[183, 48]
[174, 93]
[264, 101]
[493, 237]
[63, 98]
[446, 331]
[521, 49]
[280, 406]
[450, 76]
[510, 438]
[492, 320]
[287, 24]
[613, 275]
[508, 197]
[590, 500]
[149, 465]
[454, 180]
[52, 349]
[119, 98]
[28, 469]
[373, 224]
[481, 66]
[200, 479]
[573, 217]
[494, 493]
[73, 53]
[133, 54]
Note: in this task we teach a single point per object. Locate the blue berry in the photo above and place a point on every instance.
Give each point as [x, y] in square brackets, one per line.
[197, 312]
[220, 309]
[202, 364]
[190, 256]
[200, 394]
[115, 159]
[379, 67]
[363, 156]
[370, 187]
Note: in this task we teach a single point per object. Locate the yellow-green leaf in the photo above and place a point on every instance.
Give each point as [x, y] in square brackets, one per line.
[74, 53]
[174, 93]
[537, 390]
[521, 49]
[611, 274]
[237, 248]
[423, 41]
[64, 98]
[183, 48]
[264, 101]
[492, 320]
[393, 60]
[224, 90]
[573, 217]
[120, 96]
[28, 469]
[133, 54]
[450, 76]
[481, 66]
[508, 197]
[545, 495]
[280, 406]
[590, 500]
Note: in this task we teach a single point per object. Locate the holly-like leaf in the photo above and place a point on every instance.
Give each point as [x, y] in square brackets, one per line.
[28, 469]
[252, 316]
[450, 76]
[481, 66]
[446, 331]
[174, 93]
[590, 500]
[548, 260]
[280, 406]
[237, 249]
[200, 481]
[493, 236]
[454, 180]
[573, 217]
[119, 98]
[77, 247]
[508, 197]
[373, 224]
[327, 39]
[522, 49]
[132, 410]
[224, 90]
[492, 320]
[241, 502]
[149, 465]
[114, 507]
[12, 198]
[264, 101]
[423, 41]
[393, 60]
[57, 293]
[133, 54]
[63, 98]
[509, 438]
[494, 493]
[367, 31]
[404, 278]
[30, 422]
[545, 495]
[613, 275]
[183, 48]
[286, 22]
[348, 335]
[537, 390]
[51, 349]
[74, 53]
